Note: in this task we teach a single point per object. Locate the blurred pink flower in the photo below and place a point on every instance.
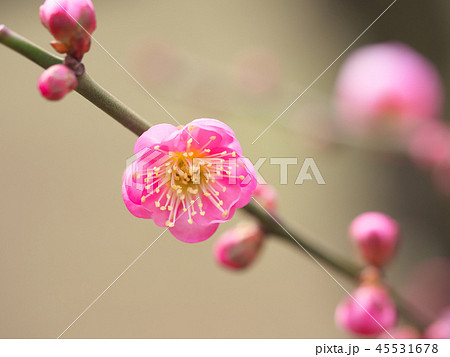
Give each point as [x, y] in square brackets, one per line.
[376, 302]
[189, 179]
[239, 246]
[56, 81]
[441, 327]
[387, 80]
[267, 196]
[376, 235]
[71, 22]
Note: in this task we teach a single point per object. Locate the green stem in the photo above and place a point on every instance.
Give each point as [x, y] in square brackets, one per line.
[272, 225]
[87, 87]
[97, 95]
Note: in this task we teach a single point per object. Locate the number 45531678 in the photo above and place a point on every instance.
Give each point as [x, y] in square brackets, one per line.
[407, 348]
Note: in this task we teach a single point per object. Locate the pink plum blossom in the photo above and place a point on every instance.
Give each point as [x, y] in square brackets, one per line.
[239, 246]
[387, 80]
[267, 196]
[71, 22]
[441, 327]
[189, 179]
[56, 81]
[373, 307]
[376, 235]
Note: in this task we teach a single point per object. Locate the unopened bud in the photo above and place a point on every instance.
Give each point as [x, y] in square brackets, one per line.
[56, 81]
[239, 246]
[71, 22]
[376, 235]
[369, 311]
[267, 196]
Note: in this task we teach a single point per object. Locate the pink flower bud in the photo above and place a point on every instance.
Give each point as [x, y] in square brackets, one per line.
[376, 305]
[239, 246]
[376, 235]
[404, 332]
[440, 328]
[388, 80]
[71, 22]
[267, 196]
[56, 81]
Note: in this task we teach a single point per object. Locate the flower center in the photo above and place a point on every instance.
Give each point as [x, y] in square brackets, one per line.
[182, 182]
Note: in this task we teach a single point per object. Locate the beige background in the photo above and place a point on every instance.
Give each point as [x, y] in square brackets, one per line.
[65, 234]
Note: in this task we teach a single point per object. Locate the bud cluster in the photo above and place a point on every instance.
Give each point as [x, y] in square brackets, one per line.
[370, 310]
[71, 22]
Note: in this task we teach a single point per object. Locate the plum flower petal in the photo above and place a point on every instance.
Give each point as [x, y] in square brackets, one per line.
[136, 209]
[153, 136]
[190, 233]
[189, 179]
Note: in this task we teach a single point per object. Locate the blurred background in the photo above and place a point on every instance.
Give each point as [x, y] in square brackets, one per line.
[66, 234]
